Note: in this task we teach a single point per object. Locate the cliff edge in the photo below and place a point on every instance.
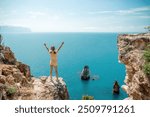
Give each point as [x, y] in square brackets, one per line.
[16, 81]
[131, 50]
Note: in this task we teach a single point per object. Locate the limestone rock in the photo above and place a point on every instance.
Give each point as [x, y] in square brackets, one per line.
[2, 92]
[2, 79]
[8, 55]
[46, 88]
[43, 79]
[131, 49]
[42, 88]
[25, 69]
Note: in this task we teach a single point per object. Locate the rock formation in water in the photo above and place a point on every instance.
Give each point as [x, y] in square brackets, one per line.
[131, 49]
[16, 81]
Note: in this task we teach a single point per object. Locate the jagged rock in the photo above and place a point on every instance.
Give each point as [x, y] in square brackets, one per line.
[1, 59]
[25, 69]
[131, 49]
[43, 79]
[50, 89]
[9, 57]
[2, 86]
[18, 76]
[2, 79]
[1, 55]
[7, 71]
[10, 80]
[2, 92]
[125, 88]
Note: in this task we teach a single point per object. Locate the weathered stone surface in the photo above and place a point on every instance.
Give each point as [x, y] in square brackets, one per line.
[18, 76]
[50, 89]
[2, 79]
[8, 55]
[1, 55]
[43, 79]
[2, 92]
[131, 49]
[25, 69]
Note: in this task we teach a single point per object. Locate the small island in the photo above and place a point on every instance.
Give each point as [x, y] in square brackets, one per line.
[14, 29]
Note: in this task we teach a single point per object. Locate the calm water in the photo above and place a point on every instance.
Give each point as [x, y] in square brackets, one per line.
[98, 50]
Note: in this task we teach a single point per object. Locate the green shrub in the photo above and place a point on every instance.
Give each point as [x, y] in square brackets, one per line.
[147, 28]
[148, 46]
[87, 97]
[147, 69]
[11, 90]
[147, 55]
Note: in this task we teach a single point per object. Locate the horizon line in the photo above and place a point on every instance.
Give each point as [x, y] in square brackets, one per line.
[79, 32]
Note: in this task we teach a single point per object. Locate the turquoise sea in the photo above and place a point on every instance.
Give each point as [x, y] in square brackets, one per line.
[97, 50]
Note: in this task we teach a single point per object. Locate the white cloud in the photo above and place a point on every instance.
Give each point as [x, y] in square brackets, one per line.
[145, 17]
[72, 13]
[56, 17]
[89, 28]
[35, 14]
[100, 12]
[146, 8]
[124, 12]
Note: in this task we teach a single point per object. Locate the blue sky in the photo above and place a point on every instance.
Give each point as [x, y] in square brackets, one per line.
[76, 15]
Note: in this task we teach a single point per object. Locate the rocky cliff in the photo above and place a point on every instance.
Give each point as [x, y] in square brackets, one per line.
[131, 49]
[16, 81]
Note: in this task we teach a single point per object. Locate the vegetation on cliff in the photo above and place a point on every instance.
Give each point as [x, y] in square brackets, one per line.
[87, 97]
[147, 28]
[146, 66]
[11, 90]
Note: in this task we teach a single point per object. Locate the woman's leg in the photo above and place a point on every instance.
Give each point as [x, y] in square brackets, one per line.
[51, 70]
[56, 71]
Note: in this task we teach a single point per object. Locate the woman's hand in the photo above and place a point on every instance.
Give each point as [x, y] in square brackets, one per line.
[44, 44]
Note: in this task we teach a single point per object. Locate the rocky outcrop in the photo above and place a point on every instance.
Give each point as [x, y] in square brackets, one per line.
[131, 49]
[45, 88]
[17, 83]
[6, 55]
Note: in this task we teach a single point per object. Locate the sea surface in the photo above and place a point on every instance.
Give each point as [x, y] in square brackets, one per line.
[97, 50]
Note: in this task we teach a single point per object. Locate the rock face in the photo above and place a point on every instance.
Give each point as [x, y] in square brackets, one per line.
[6, 55]
[45, 88]
[16, 81]
[131, 49]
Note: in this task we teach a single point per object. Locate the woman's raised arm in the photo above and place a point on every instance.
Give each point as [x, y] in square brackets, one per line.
[60, 46]
[46, 47]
